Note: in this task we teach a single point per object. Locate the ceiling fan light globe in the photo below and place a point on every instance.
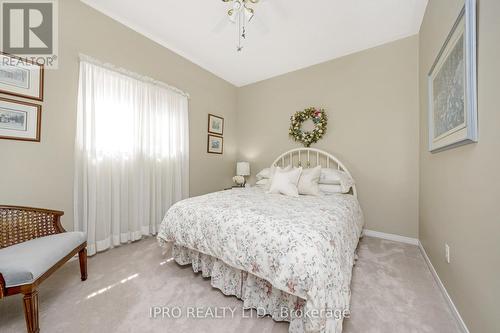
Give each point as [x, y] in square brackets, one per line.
[236, 5]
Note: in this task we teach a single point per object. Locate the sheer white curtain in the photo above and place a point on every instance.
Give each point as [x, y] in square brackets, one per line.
[132, 158]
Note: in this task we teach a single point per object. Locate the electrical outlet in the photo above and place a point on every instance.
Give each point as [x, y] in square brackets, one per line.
[447, 252]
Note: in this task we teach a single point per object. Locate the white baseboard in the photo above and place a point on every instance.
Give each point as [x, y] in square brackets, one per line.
[446, 296]
[392, 237]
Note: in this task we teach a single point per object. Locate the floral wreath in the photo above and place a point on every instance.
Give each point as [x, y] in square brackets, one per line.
[320, 120]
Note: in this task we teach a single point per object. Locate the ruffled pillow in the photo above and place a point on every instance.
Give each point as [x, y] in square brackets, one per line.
[346, 182]
[336, 177]
[328, 189]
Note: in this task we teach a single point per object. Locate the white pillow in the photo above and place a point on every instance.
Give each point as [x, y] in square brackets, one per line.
[268, 173]
[328, 189]
[308, 182]
[264, 174]
[336, 177]
[346, 182]
[329, 176]
[262, 182]
[285, 182]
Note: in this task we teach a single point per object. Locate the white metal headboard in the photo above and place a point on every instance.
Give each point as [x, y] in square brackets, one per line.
[311, 157]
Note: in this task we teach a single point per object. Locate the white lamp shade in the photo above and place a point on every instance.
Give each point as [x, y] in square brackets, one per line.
[243, 169]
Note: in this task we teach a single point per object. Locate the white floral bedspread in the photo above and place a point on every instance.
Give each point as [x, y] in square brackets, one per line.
[304, 246]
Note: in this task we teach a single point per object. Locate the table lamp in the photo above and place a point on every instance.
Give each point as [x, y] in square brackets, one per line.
[243, 169]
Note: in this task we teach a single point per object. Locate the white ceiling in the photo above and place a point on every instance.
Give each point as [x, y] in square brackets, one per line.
[284, 36]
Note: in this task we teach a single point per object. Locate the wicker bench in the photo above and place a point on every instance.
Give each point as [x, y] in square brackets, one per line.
[33, 244]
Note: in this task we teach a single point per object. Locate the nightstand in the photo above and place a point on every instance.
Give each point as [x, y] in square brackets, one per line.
[234, 187]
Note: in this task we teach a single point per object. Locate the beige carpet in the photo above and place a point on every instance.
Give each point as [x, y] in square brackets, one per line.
[393, 291]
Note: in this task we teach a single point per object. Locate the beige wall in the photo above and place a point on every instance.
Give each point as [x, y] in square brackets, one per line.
[41, 174]
[460, 188]
[372, 101]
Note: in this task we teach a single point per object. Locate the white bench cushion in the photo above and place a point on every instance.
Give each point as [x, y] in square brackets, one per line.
[25, 262]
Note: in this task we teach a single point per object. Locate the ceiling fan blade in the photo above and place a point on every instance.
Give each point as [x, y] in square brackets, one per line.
[278, 7]
[259, 21]
[221, 25]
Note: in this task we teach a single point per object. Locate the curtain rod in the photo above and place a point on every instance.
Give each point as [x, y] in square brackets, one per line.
[134, 75]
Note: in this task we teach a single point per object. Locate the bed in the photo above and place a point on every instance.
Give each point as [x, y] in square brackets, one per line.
[289, 258]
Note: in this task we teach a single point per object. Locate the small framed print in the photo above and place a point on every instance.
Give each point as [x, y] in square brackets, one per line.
[21, 77]
[215, 144]
[215, 124]
[19, 120]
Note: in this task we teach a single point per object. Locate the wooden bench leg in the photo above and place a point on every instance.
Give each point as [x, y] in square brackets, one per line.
[30, 301]
[82, 256]
[2, 286]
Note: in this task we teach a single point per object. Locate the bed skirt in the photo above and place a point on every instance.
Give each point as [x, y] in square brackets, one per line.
[255, 292]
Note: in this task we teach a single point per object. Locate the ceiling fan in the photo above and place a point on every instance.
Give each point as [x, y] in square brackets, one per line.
[241, 7]
[241, 13]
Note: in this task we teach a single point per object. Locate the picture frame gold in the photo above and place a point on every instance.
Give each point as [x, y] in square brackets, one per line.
[215, 125]
[21, 77]
[19, 120]
[215, 144]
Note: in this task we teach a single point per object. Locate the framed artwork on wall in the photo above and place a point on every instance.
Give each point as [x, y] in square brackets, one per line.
[452, 86]
[215, 124]
[20, 120]
[215, 144]
[21, 77]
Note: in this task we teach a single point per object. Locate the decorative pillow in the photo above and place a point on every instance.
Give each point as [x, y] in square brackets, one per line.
[285, 182]
[328, 189]
[268, 174]
[308, 181]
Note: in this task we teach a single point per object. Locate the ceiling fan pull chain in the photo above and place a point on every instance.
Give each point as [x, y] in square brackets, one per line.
[239, 48]
[241, 11]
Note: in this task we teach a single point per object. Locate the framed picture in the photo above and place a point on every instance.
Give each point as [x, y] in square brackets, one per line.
[21, 77]
[452, 86]
[19, 120]
[215, 124]
[215, 144]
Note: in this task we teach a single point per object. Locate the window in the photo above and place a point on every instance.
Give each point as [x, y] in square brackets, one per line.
[131, 154]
